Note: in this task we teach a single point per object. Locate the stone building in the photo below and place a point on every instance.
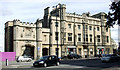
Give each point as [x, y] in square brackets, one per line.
[59, 31]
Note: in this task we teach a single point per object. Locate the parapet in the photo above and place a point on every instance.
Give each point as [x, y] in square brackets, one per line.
[84, 15]
[73, 15]
[16, 22]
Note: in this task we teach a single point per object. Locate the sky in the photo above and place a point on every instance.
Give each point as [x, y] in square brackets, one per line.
[30, 10]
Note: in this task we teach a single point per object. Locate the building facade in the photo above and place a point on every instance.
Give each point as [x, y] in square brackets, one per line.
[59, 33]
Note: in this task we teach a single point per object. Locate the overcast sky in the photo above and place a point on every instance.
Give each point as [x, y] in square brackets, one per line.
[30, 10]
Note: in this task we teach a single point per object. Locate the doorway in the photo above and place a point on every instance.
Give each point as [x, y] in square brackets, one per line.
[29, 51]
[45, 51]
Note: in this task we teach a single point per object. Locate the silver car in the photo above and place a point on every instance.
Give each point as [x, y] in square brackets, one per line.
[23, 58]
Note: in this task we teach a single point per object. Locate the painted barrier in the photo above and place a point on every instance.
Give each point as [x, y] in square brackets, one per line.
[10, 56]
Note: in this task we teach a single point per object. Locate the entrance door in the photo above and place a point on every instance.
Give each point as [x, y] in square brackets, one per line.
[45, 51]
[29, 51]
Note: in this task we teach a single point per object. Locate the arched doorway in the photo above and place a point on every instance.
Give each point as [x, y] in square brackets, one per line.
[45, 51]
[28, 51]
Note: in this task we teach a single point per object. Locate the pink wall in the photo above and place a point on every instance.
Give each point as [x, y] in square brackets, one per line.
[8, 55]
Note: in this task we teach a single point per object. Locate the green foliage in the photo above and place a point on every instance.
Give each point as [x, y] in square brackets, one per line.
[113, 17]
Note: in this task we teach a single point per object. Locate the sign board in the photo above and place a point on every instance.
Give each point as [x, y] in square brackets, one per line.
[38, 48]
[100, 47]
[71, 46]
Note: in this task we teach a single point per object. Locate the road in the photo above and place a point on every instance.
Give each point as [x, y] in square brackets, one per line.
[80, 64]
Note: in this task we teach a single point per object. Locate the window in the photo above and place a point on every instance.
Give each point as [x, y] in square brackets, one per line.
[21, 35]
[28, 32]
[53, 57]
[83, 27]
[86, 26]
[56, 34]
[90, 37]
[78, 26]
[107, 39]
[106, 29]
[87, 37]
[56, 24]
[97, 28]
[91, 51]
[69, 36]
[33, 36]
[79, 37]
[98, 38]
[80, 51]
[84, 37]
[90, 27]
[57, 51]
[69, 25]
[23, 29]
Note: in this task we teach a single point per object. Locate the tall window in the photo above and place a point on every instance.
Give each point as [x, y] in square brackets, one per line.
[83, 27]
[107, 39]
[98, 38]
[84, 37]
[80, 51]
[86, 26]
[57, 51]
[78, 26]
[87, 37]
[90, 27]
[69, 25]
[79, 37]
[97, 28]
[56, 34]
[106, 29]
[56, 24]
[90, 37]
[69, 36]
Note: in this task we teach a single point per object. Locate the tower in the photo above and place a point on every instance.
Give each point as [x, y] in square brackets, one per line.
[39, 38]
[46, 18]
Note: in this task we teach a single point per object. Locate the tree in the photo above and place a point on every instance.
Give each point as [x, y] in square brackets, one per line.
[113, 17]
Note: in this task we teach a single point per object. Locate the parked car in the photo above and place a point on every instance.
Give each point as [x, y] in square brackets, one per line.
[47, 60]
[23, 58]
[110, 58]
[71, 56]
